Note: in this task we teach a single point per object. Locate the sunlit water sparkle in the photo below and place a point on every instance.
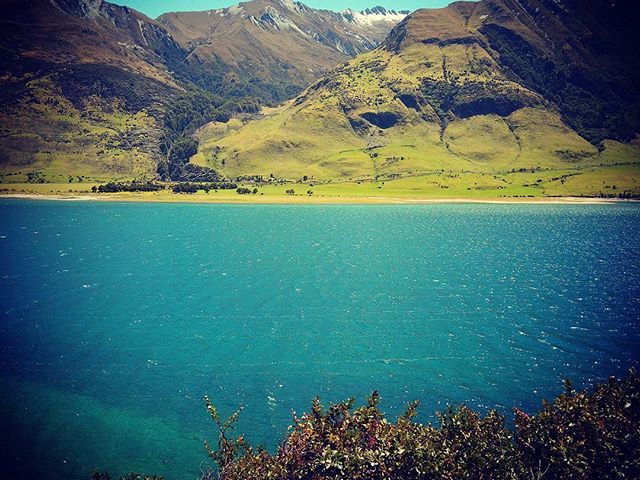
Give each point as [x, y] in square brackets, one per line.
[116, 319]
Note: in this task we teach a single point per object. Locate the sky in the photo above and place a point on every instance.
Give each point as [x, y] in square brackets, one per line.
[154, 8]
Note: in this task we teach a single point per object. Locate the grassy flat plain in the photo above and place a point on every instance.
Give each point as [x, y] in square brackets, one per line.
[537, 185]
[373, 119]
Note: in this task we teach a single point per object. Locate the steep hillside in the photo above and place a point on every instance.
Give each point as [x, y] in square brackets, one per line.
[447, 93]
[71, 32]
[282, 43]
[83, 85]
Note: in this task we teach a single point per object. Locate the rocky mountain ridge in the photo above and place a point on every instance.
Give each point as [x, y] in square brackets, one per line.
[280, 40]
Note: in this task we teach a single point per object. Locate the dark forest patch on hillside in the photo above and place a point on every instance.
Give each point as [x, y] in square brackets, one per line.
[599, 104]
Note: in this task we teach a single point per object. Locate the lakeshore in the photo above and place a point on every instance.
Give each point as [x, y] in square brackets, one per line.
[234, 198]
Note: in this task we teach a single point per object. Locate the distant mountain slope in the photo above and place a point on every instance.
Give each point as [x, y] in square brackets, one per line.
[83, 88]
[70, 32]
[91, 91]
[496, 85]
[282, 42]
[578, 54]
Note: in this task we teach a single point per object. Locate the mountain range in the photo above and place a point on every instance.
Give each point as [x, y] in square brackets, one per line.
[486, 87]
[284, 42]
[91, 91]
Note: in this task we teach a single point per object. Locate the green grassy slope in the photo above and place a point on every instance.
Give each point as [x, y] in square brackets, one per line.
[384, 116]
[45, 137]
[471, 99]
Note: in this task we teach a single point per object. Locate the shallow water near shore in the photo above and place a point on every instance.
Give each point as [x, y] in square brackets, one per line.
[117, 318]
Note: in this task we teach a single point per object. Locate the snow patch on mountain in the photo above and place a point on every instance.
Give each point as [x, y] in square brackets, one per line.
[288, 4]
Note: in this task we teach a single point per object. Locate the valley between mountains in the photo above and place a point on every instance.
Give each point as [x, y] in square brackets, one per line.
[494, 99]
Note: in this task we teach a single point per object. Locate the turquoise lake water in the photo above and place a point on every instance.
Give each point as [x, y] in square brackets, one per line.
[116, 319]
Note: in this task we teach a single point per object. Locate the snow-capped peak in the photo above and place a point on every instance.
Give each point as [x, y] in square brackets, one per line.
[374, 15]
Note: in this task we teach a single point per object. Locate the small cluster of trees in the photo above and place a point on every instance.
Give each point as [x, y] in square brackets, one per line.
[246, 191]
[251, 178]
[624, 195]
[179, 154]
[115, 187]
[291, 191]
[186, 188]
[189, 172]
[35, 177]
[183, 187]
[206, 187]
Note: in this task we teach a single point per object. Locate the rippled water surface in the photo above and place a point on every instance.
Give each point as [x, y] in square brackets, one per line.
[116, 319]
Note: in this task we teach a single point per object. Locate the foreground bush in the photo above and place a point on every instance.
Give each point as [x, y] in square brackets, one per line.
[130, 476]
[581, 435]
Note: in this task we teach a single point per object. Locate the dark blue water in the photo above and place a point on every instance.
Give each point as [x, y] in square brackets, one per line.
[116, 319]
